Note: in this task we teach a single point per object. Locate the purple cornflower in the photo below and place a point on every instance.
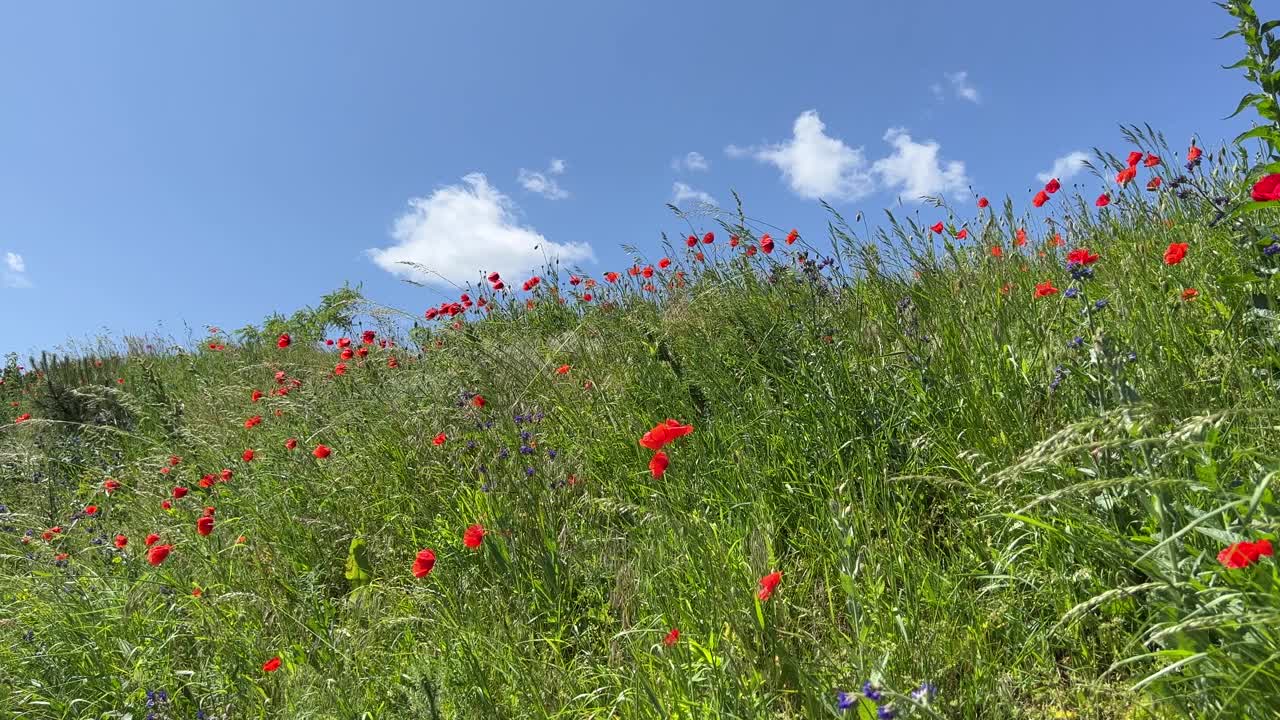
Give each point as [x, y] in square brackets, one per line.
[844, 700]
[1271, 249]
[528, 472]
[526, 450]
[886, 712]
[1076, 343]
[924, 693]
[1071, 292]
[503, 454]
[871, 691]
[552, 454]
[1101, 304]
[526, 435]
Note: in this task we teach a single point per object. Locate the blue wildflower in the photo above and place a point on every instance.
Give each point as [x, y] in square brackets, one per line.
[526, 450]
[1076, 343]
[526, 435]
[871, 691]
[924, 693]
[844, 700]
[886, 712]
[528, 472]
[503, 454]
[552, 454]
[1272, 249]
[1101, 304]
[1071, 292]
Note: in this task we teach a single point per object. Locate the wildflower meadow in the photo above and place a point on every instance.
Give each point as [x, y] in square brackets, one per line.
[1004, 458]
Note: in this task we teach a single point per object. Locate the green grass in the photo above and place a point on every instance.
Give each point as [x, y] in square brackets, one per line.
[885, 432]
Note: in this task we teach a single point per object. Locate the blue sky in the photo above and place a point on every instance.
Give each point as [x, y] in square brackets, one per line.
[212, 162]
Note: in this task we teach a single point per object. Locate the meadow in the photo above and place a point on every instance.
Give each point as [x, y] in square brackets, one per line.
[997, 459]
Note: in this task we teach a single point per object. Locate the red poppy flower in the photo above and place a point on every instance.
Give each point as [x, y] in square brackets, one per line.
[225, 475]
[423, 563]
[209, 510]
[347, 354]
[1154, 183]
[291, 443]
[734, 240]
[1052, 186]
[793, 236]
[253, 421]
[1267, 189]
[271, 665]
[494, 277]
[60, 557]
[1082, 256]
[1103, 200]
[769, 584]
[121, 541]
[699, 257]
[611, 277]
[91, 510]
[392, 362]
[964, 233]
[563, 370]
[997, 251]
[364, 351]
[691, 241]
[983, 202]
[1151, 161]
[179, 492]
[663, 433]
[1020, 237]
[206, 482]
[368, 335]
[166, 505]
[1175, 253]
[708, 238]
[1125, 176]
[196, 591]
[321, 452]
[340, 369]
[664, 263]
[22, 418]
[174, 460]
[672, 638]
[247, 455]
[1243, 554]
[1134, 158]
[1040, 199]
[328, 341]
[110, 486]
[1190, 294]
[255, 396]
[587, 297]
[658, 464]
[204, 525]
[473, 537]
[439, 440]
[165, 470]
[1194, 153]
[751, 250]
[283, 341]
[1045, 289]
[158, 553]
[937, 227]
[766, 243]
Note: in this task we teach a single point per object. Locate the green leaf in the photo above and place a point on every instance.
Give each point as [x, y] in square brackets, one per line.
[359, 569]
[1238, 280]
[1267, 132]
[1270, 25]
[1267, 108]
[1255, 206]
[1245, 102]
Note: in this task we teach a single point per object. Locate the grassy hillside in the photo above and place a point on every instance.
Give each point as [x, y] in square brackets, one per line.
[986, 496]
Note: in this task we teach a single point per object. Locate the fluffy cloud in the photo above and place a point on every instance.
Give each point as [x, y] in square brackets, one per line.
[682, 194]
[914, 170]
[817, 165]
[14, 275]
[460, 231]
[544, 184]
[1066, 166]
[961, 86]
[692, 162]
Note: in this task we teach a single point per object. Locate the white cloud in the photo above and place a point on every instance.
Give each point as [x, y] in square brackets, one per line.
[962, 87]
[692, 161]
[914, 168]
[14, 275]
[1065, 167]
[682, 193]
[545, 184]
[817, 165]
[462, 230]
[814, 163]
